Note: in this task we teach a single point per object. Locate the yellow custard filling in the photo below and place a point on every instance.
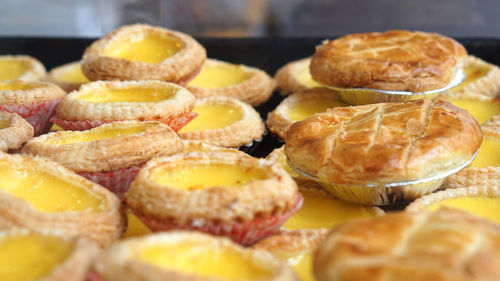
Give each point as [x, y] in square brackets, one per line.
[323, 212]
[11, 69]
[304, 76]
[74, 74]
[194, 175]
[4, 123]
[127, 95]
[489, 153]
[135, 227]
[17, 85]
[214, 116]
[483, 206]
[200, 259]
[47, 192]
[481, 110]
[303, 109]
[220, 75]
[99, 133]
[56, 128]
[144, 47]
[472, 73]
[31, 257]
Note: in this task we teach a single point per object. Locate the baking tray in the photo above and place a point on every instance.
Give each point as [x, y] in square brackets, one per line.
[265, 53]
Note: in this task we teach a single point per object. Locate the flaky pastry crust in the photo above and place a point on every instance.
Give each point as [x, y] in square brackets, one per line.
[54, 76]
[287, 81]
[274, 195]
[18, 132]
[278, 121]
[119, 262]
[196, 145]
[108, 154]
[286, 243]
[444, 245]
[249, 128]
[40, 91]
[492, 127]
[179, 68]
[73, 108]
[383, 143]
[394, 60]
[35, 71]
[101, 227]
[255, 90]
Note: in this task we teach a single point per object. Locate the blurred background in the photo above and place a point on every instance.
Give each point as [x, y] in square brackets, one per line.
[244, 18]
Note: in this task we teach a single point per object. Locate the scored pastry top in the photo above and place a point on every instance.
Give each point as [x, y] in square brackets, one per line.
[394, 60]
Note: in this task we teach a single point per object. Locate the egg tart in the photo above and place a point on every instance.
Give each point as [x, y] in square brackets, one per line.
[67, 76]
[222, 193]
[111, 154]
[102, 102]
[39, 194]
[383, 153]
[14, 131]
[36, 102]
[482, 107]
[49, 256]
[20, 67]
[444, 245]
[294, 248]
[219, 78]
[299, 106]
[188, 256]
[196, 145]
[144, 52]
[295, 77]
[224, 121]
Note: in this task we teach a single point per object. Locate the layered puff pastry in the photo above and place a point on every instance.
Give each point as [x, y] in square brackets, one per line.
[224, 121]
[397, 60]
[143, 52]
[295, 77]
[219, 78]
[39, 194]
[44, 255]
[14, 131]
[443, 245]
[68, 76]
[20, 67]
[178, 255]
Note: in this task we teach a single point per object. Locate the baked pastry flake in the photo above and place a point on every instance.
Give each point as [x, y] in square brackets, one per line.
[14, 131]
[67, 76]
[295, 77]
[20, 67]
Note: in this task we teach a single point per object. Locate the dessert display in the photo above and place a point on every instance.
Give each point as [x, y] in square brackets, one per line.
[102, 102]
[295, 77]
[20, 67]
[383, 153]
[221, 193]
[14, 131]
[34, 101]
[481, 200]
[41, 195]
[67, 76]
[218, 78]
[188, 256]
[224, 121]
[111, 154]
[396, 65]
[30, 255]
[444, 245]
[299, 106]
[143, 52]
[295, 248]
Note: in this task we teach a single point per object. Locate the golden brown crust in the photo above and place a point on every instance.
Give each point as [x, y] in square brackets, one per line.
[35, 71]
[119, 262]
[196, 145]
[394, 60]
[73, 108]
[18, 132]
[108, 154]
[255, 90]
[444, 245]
[287, 77]
[472, 176]
[41, 91]
[274, 195]
[54, 76]
[287, 242]
[382, 143]
[242, 132]
[278, 121]
[102, 227]
[179, 68]
[492, 127]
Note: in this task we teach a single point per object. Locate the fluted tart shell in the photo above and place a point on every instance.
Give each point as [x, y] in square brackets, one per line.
[256, 89]
[396, 60]
[58, 75]
[34, 69]
[295, 77]
[16, 131]
[179, 68]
